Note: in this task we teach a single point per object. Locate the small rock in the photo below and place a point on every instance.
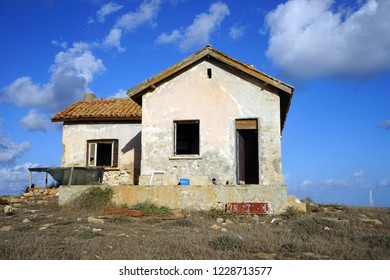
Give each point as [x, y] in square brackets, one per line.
[9, 210]
[96, 229]
[95, 220]
[326, 228]
[277, 221]
[26, 221]
[220, 220]
[79, 219]
[6, 228]
[224, 224]
[224, 230]
[42, 228]
[215, 227]
[240, 237]
[228, 221]
[256, 219]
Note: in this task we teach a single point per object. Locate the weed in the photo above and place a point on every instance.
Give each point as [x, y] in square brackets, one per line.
[290, 212]
[88, 234]
[380, 241]
[183, 223]
[288, 248]
[215, 213]
[3, 201]
[119, 219]
[63, 223]
[151, 209]
[226, 243]
[95, 199]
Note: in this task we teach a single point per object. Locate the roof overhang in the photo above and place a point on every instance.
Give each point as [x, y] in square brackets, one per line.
[208, 53]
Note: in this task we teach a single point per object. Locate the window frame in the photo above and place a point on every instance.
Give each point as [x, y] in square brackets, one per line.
[175, 142]
[92, 161]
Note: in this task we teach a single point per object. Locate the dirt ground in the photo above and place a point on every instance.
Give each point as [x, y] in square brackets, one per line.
[37, 228]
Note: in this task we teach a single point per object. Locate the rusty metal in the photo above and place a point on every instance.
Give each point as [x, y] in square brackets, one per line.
[247, 208]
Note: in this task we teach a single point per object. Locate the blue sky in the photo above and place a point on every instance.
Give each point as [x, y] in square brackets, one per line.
[336, 141]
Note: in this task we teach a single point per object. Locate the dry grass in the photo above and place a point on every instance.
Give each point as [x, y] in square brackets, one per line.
[53, 232]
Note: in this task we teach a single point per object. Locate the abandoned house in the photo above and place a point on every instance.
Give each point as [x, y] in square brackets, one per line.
[208, 120]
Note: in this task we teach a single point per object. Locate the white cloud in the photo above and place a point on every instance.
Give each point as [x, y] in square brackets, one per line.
[113, 39]
[308, 38]
[237, 31]
[199, 32]
[9, 150]
[73, 70]
[306, 183]
[385, 124]
[164, 38]
[14, 179]
[61, 43]
[35, 121]
[121, 93]
[107, 9]
[146, 13]
[384, 183]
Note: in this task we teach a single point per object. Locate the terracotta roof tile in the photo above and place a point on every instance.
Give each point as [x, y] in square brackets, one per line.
[100, 109]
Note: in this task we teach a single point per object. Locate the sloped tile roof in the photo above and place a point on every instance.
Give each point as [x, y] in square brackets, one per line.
[99, 110]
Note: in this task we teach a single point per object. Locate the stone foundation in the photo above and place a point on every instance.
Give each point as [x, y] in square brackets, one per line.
[189, 197]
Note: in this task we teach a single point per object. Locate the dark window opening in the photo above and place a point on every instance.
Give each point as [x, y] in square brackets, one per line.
[104, 154]
[187, 138]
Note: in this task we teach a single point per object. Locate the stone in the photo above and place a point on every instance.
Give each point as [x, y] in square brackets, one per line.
[256, 219]
[6, 228]
[220, 220]
[79, 219]
[93, 220]
[336, 220]
[277, 221]
[96, 229]
[372, 221]
[326, 228]
[215, 227]
[224, 230]
[26, 221]
[228, 221]
[9, 210]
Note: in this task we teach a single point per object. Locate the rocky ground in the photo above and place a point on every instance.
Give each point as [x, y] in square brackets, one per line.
[33, 226]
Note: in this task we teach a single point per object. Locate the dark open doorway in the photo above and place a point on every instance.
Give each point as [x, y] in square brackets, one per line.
[247, 152]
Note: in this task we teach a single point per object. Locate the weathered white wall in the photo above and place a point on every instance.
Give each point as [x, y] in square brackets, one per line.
[216, 103]
[74, 140]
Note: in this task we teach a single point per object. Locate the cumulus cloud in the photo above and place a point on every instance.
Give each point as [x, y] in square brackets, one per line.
[71, 73]
[146, 13]
[237, 31]
[107, 9]
[35, 121]
[199, 32]
[113, 40]
[9, 150]
[311, 38]
[385, 124]
[14, 179]
[121, 93]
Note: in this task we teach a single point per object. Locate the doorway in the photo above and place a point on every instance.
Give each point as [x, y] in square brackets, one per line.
[247, 152]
